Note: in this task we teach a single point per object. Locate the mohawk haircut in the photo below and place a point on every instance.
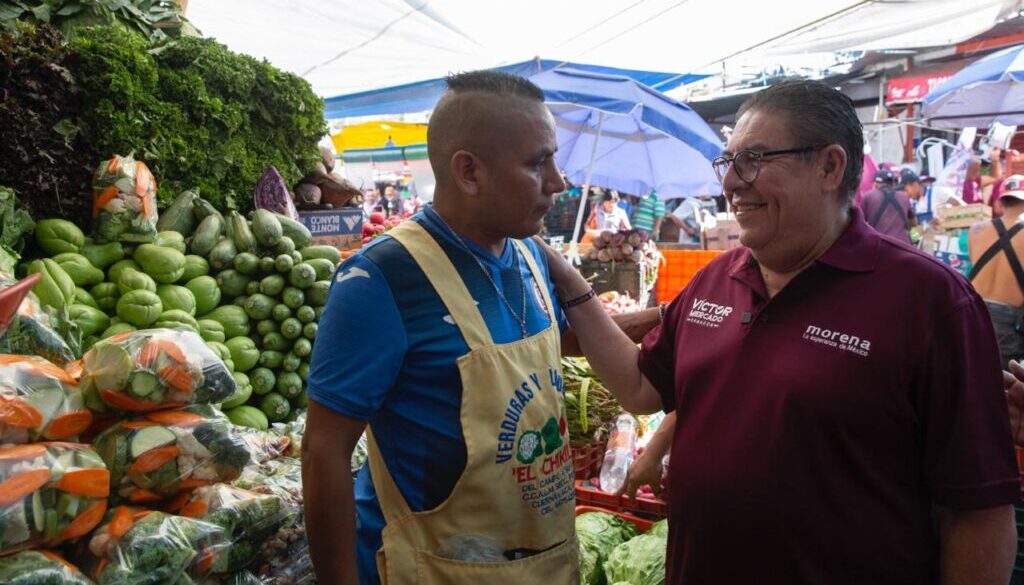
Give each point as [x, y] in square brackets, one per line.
[496, 82]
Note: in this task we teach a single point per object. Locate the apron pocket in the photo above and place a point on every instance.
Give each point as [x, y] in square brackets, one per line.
[558, 566]
[382, 566]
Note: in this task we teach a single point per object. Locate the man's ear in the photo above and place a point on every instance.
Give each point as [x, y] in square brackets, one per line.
[833, 167]
[467, 172]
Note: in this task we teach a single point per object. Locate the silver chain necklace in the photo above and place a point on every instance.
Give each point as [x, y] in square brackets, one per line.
[519, 268]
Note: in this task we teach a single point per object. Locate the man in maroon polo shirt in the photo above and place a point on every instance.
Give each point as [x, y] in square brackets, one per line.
[840, 409]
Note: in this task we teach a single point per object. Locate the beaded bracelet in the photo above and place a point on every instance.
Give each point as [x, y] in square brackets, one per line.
[580, 299]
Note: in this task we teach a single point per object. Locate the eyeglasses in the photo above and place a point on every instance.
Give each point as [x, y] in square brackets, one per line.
[747, 163]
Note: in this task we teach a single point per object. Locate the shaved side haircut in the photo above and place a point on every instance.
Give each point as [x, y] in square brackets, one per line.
[473, 115]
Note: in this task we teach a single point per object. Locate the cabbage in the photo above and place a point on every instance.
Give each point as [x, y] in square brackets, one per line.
[599, 533]
[640, 561]
[659, 528]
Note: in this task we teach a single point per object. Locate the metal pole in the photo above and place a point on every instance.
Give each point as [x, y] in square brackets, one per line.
[574, 245]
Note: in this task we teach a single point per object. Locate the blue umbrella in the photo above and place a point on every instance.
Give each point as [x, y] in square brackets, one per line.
[617, 133]
[988, 90]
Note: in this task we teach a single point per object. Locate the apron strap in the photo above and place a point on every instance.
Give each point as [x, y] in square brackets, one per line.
[889, 198]
[442, 275]
[538, 279]
[392, 502]
[1003, 244]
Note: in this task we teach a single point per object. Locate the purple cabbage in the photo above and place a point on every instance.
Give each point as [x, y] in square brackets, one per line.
[272, 194]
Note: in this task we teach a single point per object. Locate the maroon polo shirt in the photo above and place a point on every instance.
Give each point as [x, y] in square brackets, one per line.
[891, 220]
[816, 430]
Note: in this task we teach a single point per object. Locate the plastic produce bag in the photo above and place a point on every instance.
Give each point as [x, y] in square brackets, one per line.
[38, 401]
[39, 567]
[279, 477]
[248, 519]
[153, 369]
[265, 445]
[136, 546]
[124, 201]
[163, 453]
[50, 493]
[34, 330]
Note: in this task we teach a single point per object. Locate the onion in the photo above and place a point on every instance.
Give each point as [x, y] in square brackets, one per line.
[599, 242]
[627, 250]
[617, 254]
[638, 256]
[618, 239]
[607, 236]
[634, 239]
[603, 255]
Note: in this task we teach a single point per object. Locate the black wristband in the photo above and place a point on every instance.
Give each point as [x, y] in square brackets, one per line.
[580, 299]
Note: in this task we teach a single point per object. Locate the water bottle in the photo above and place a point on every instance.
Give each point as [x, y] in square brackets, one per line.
[619, 456]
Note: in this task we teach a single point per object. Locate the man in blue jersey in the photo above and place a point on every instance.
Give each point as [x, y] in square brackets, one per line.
[442, 338]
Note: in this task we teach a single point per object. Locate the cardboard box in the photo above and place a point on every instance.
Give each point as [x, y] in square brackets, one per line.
[962, 216]
[341, 228]
[725, 235]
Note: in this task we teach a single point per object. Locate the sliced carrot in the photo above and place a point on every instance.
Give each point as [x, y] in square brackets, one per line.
[177, 503]
[141, 496]
[154, 458]
[74, 370]
[124, 402]
[105, 197]
[177, 377]
[142, 178]
[121, 522]
[119, 337]
[36, 366]
[92, 483]
[205, 561]
[69, 425]
[99, 568]
[188, 484]
[67, 445]
[17, 488]
[85, 521]
[176, 418]
[19, 413]
[196, 509]
[22, 452]
[138, 424]
[113, 165]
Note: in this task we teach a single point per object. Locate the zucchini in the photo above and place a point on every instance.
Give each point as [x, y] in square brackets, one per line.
[267, 326]
[272, 285]
[293, 297]
[206, 235]
[302, 276]
[202, 209]
[266, 228]
[276, 407]
[179, 217]
[271, 359]
[281, 312]
[291, 328]
[284, 246]
[284, 263]
[296, 231]
[262, 380]
[289, 384]
[324, 268]
[241, 235]
[309, 331]
[267, 265]
[316, 295]
[275, 342]
[259, 306]
[326, 252]
[302, 347]
[222, 256]
[290, 363]
[247, 263]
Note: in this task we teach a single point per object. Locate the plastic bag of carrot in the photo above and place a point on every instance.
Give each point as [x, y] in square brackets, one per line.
[50, 493]
[124, 201]
[153, 369]
[160, 454]
[39, 402]
[39, 566]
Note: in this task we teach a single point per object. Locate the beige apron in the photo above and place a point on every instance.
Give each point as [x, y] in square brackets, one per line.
[517, 487]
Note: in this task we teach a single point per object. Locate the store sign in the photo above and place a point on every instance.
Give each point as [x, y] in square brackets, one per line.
[907, 90]
[341, 228]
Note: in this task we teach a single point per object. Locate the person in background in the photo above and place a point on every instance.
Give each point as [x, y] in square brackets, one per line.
[626, 203]
[371, 202]
[839, 408]
[391, 204]
[609, 215]
[997, 249]
[687, 217]
[412, 204]
[888, 210]
[649, 214]
[977, 182]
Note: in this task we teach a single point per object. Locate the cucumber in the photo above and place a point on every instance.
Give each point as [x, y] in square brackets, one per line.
[302, 276]
[291, 328]
[267, 326]
[143, 383]
[305, 314]
[115, 455]
[275, 406]
[293, 297]
[262, 380]
[284, 263]
[148, 438]
[281, 312]
[326, 252]
[38, 511]
[272, 285]
[271, 359]
[294, 230]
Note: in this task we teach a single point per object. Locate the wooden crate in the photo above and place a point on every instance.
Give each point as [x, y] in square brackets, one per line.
[962, 216]
[623, 277]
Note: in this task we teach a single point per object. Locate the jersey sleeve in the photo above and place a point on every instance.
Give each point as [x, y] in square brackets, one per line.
[361, 342]
[542, 263]
[969, 460]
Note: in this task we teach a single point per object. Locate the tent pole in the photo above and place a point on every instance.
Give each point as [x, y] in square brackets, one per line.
[574, 255]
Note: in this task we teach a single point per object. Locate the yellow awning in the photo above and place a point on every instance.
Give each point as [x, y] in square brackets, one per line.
[377, 134]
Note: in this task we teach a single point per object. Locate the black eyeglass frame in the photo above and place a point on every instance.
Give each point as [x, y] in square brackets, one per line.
[758, 156]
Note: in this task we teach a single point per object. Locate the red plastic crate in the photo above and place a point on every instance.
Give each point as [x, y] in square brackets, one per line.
[589, 495]
[642, 524]
[586, 460]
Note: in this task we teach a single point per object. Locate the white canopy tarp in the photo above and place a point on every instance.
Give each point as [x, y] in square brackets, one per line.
[346, 46]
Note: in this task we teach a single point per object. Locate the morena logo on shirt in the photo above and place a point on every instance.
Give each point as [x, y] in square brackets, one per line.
[838, 340]
[708, 314]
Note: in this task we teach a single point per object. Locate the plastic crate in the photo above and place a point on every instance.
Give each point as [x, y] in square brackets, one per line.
[586, 460]
[642, 524]
[679, 268]
[589, 495]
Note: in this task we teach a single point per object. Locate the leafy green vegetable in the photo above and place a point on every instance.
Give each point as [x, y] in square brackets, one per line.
[599, 533]
[640, 561]
[153, 19]
[15, 224]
